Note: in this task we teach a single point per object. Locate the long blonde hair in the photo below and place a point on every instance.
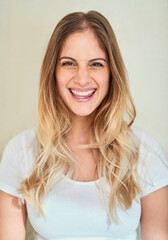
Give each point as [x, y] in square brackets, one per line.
[113, 139]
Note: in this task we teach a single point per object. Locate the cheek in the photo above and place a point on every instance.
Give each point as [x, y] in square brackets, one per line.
[63, 78]
[104, 82]
[60, 81]
[60, 84]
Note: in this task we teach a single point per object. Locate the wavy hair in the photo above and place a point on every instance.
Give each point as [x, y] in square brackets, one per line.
[114, 142]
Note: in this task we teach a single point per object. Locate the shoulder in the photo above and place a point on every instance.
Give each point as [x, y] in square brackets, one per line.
[143, 136]
[17, 160]
[147, 143]
[22, 149]
[24, 142]
[23, 139]
[152, 163]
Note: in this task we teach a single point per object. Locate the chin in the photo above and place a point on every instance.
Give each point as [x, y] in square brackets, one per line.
[83, 114]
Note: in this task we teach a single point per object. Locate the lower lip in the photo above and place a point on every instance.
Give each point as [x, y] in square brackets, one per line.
[87, 99]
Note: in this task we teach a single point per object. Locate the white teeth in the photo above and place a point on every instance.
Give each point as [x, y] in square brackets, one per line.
[82, 93]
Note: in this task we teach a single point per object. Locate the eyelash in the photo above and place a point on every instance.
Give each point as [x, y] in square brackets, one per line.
[97, 64]
[94, 64]
[68, 64]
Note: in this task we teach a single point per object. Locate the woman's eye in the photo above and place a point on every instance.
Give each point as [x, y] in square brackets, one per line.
[67, 63]
[97, 64]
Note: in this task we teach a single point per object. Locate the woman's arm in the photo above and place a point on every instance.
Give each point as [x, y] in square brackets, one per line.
[12, 217]
[154, 218]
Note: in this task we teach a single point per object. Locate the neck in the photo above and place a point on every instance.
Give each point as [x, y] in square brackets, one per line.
[79, 133]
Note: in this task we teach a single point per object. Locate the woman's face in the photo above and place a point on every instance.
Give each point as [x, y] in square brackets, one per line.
[82, 73]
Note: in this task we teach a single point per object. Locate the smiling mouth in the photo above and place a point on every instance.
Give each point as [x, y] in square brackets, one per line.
[83, 93]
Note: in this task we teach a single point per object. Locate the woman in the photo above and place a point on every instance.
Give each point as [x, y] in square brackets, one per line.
[86, 173]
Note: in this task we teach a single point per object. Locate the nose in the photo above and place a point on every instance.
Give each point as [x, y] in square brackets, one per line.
[82, 77]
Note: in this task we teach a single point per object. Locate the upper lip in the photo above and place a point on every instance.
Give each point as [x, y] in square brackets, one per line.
[82, 89]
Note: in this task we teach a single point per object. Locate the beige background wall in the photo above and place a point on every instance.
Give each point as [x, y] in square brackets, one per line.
[141, 27]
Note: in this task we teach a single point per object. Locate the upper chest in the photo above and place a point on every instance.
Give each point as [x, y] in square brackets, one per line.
[78, 210]
[86, 165]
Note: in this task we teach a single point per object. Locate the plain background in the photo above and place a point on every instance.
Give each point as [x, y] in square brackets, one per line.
[141, 28]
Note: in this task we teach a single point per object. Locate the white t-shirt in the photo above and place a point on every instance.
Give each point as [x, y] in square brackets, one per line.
[76, 210]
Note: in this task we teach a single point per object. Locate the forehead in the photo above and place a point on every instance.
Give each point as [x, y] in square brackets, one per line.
[82, 42]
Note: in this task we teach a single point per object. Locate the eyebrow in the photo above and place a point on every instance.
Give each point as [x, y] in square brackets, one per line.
[95, 59]
[67, 58]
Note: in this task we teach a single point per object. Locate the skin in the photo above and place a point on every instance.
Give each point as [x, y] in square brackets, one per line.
[12, 217]
[82, 73]
[87, 70]
[154, 217]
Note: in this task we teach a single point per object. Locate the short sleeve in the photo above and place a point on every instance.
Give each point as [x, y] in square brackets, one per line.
[153, 166]
[16, 162]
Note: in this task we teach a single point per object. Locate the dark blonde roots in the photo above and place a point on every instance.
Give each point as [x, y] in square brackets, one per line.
[114, 141]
